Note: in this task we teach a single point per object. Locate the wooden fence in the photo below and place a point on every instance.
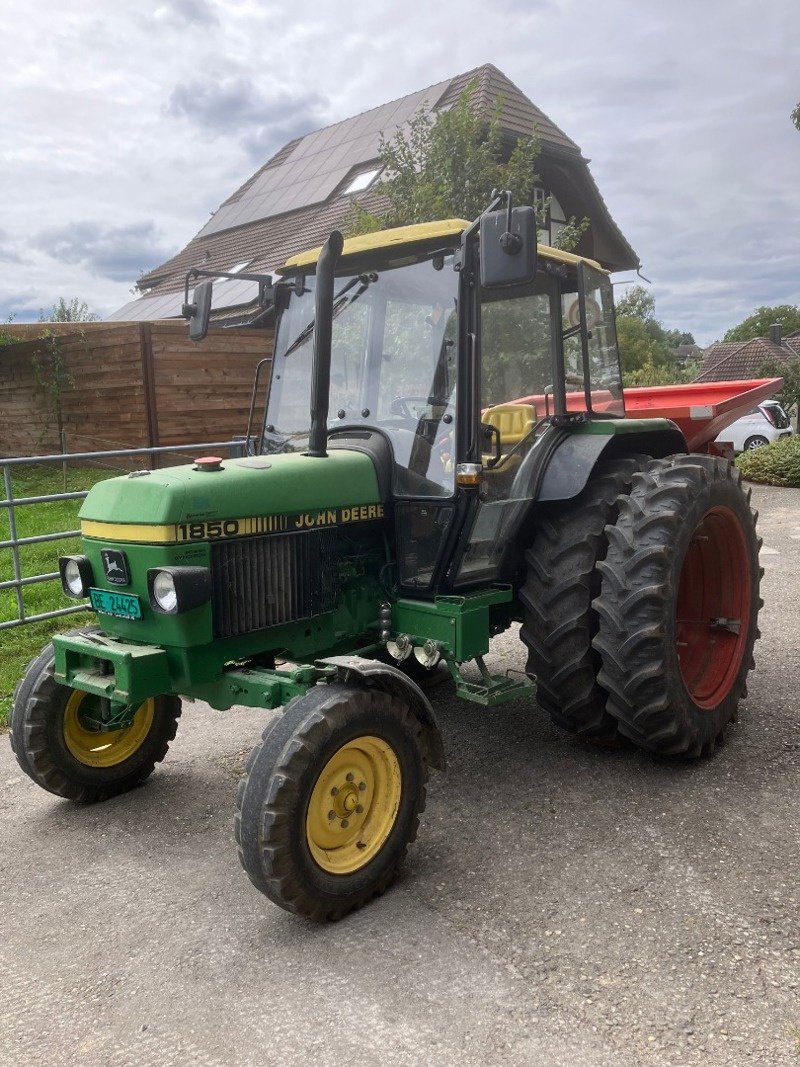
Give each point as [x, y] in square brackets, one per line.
[98, 385]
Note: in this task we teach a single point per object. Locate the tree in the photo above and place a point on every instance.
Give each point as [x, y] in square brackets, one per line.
[637, 303]
[789, 396]
[637, 345]
[69, 311]
[796, 116]
[678, 337]
[758, 324]
[445, 165]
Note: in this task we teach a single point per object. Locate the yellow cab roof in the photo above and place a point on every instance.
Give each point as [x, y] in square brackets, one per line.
[412, 235]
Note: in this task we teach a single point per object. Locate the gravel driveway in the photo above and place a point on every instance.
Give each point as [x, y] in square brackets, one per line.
[563, 905]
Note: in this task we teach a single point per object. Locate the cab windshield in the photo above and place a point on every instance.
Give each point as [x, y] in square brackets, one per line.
[393, 368]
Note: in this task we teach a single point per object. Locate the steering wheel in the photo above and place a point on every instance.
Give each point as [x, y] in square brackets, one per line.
[399, 406]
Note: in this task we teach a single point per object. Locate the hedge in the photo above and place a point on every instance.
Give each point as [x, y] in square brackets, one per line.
[775, 464]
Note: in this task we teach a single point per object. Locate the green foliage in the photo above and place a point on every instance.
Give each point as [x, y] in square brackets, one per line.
[758, 324]
[637, 303]
[775, 464]
[789, 396]
[51, 372]
[796, 120]
[651, 374]
[645, 347]
[69, 311]
[445, 165]
[678, 337]
[640, 343]
[6, 337]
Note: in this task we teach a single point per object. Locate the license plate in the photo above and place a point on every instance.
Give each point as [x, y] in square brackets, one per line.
[123, 605]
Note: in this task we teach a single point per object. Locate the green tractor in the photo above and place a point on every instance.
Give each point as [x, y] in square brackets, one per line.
[444, 453]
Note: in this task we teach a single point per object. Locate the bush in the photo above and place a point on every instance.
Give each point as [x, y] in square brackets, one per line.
[775, 464]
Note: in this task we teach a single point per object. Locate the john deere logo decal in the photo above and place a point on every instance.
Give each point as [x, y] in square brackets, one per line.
[115, 566]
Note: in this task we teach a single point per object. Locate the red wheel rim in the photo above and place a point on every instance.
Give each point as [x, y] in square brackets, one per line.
[713, 607]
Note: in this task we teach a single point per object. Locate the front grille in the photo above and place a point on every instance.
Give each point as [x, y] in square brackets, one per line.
[265, 581]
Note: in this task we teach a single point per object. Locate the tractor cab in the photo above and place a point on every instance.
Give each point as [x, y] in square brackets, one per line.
[456, 371]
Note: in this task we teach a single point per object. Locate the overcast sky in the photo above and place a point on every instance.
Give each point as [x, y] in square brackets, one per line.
[124, 125]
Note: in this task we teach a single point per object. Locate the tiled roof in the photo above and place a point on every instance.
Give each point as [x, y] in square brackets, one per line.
[266, 242]
[519, 114]
[734, 360]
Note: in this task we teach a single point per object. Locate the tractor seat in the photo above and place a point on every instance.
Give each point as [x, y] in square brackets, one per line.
[514, 422]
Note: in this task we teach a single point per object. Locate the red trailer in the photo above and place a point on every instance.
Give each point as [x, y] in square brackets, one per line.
[701, 409]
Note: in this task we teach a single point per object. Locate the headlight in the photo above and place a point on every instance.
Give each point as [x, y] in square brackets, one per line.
[76, 575]
[164, 593]
[176, 589]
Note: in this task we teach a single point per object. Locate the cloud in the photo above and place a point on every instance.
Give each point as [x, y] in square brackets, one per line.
[196, 12]
[8, 253]
[119, 253]
[234, 105]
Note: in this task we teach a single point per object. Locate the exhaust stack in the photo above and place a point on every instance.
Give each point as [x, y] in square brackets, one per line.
[323, 333]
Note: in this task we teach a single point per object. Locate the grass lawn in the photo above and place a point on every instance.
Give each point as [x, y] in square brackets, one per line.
[20, 644]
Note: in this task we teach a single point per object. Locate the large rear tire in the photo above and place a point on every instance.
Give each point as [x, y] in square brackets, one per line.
[678, 605]
[560, 622]
[331, 800]
[58, 745]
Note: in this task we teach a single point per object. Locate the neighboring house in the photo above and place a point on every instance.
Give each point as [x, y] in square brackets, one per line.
[734, 360]
[684, 354]
[305, 190]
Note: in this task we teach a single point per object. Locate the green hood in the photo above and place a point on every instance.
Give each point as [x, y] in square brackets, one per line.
[262, 485]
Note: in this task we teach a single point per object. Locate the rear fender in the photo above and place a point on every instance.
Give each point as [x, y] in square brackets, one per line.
[573, 461]
[391, 680]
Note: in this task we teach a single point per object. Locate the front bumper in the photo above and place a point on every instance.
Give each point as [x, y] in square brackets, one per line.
[122, 673]
[126, 675]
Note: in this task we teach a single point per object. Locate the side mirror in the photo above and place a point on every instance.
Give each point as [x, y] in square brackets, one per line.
[508, 247]
[199, 310]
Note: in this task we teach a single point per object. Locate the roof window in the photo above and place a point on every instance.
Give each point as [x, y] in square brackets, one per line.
[361, 181]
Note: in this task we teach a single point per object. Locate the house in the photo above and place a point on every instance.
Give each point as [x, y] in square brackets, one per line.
[305, 190]
[735, 360]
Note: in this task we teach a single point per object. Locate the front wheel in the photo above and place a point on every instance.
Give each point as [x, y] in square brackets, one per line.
[678, 605]
[331, 800]
[57, 737]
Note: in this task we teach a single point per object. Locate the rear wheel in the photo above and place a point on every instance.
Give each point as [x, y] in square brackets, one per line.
[560, 622]
[59, 743]
[331, 800]
[678, 605]
[756, 441]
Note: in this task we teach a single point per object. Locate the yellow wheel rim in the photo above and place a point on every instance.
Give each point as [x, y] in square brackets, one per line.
[354, 805]
[97, 748]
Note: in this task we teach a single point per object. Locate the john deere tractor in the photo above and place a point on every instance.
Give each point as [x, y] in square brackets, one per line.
[444, 453]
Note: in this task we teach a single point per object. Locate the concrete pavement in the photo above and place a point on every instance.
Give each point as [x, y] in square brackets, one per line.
[563, 905]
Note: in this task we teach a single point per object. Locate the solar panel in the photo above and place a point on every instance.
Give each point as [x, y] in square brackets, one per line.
[320, 162]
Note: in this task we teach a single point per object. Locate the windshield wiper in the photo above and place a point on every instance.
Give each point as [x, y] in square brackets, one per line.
[339, 304]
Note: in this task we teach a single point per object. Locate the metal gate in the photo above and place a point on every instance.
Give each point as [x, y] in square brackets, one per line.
[12, 504]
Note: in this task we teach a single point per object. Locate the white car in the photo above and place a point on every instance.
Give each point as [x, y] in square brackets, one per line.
[759, 427]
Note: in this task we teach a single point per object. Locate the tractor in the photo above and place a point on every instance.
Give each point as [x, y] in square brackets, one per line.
[444, 452]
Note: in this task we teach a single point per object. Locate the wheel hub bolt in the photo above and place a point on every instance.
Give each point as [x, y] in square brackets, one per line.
[350, 777]
[345, 823]
[334, 792]
[331, 814]
[362, 786]
[359, 809]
